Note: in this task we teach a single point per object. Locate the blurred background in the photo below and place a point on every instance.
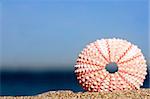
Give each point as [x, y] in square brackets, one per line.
[41, 39]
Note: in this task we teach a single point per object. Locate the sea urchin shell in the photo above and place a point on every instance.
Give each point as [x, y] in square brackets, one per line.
[93, 71]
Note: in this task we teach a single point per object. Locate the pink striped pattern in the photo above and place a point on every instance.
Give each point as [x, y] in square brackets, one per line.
[91, 72]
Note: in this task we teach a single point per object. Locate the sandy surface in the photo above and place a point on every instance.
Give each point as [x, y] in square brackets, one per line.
[134, 94]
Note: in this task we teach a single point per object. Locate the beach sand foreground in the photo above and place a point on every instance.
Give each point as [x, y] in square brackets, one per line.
[132, 94]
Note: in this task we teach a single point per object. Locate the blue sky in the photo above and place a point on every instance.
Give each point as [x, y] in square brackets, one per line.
[42, 33]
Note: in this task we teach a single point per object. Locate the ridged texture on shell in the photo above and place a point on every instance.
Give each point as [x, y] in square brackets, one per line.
[91, 72]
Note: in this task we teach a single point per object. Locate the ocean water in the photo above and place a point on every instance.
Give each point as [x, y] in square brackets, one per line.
[33, 83]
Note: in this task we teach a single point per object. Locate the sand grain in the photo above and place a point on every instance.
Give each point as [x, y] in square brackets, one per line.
[132, 94]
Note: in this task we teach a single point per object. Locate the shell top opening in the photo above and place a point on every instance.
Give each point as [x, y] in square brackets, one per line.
[111, 67]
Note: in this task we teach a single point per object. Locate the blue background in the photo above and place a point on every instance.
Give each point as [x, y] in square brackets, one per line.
[40, 37]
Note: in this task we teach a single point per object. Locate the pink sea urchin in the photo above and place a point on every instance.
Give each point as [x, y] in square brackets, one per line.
[111, 64]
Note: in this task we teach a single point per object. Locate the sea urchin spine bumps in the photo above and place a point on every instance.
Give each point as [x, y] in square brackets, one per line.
[110, 64]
